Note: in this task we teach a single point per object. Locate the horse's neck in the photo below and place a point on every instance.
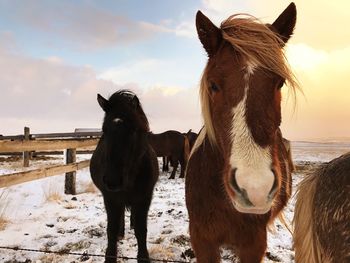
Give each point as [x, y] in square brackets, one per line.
[209, 158]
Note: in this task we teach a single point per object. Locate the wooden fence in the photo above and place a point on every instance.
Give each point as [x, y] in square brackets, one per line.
[28, 143]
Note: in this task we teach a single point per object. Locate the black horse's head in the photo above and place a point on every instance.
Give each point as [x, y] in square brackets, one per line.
[125, 128]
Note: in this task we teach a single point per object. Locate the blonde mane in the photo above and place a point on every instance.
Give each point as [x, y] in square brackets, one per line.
[306, 243]
[258, 44]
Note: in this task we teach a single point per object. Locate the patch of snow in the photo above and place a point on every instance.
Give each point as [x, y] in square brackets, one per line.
[78, 224]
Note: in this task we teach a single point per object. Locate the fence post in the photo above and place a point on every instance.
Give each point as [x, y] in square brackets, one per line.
[26, 155]
[69, 184]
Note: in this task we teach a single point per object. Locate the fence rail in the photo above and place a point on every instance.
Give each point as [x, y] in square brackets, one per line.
[53, 142]
[31, 175]
[45, 145]
[53, 135]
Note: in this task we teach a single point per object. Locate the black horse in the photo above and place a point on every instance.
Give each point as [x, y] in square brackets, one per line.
[124, 167]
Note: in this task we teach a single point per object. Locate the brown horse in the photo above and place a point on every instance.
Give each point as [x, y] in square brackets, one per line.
[174, 144]
[237, 179]
[322, 214]
[192, 137]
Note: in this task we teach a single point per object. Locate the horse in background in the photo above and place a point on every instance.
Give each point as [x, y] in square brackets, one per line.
[174, 144]
[191, 136]
[124, 168]
[237, 178]
[288, 147]
[322, 214]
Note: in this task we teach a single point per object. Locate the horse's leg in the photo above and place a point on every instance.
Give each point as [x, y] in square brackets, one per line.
[205, 251]
[132, 221]
[167, 160]
[175, 162]
[253, 250]
[122, 225]
[183, 164]
[140, 212]
[114, 212]
[165, 164]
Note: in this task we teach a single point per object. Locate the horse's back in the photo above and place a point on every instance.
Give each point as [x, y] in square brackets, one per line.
[167, 143]
[322, 218]
[332, 209]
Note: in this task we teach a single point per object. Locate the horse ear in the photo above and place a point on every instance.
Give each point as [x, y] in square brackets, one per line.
[103, 102]
[209, 35]
[135, 101]
[285, 23]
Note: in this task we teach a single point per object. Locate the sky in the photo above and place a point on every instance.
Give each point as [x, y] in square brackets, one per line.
[55, 56]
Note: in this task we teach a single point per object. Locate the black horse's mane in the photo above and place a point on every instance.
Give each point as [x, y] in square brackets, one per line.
[130, 98]
[125, 94]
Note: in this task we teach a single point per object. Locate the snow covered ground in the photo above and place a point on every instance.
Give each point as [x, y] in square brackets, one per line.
[77, 223]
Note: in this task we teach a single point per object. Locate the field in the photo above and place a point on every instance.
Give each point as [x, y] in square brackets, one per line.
[37, 215]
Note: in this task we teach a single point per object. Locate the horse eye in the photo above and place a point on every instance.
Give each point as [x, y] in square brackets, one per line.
[281, 83]
[214, 87]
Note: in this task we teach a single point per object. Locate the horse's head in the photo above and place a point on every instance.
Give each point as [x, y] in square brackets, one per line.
[124, 133]
[241, 96]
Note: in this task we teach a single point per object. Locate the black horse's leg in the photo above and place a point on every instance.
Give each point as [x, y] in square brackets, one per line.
[175, 163]
[165, 164]
[183, 166]
[140, 212]
[114, 212]
[122, 225]
[132, 221]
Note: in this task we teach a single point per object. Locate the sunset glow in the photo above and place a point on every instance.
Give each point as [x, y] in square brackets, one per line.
[54, 63]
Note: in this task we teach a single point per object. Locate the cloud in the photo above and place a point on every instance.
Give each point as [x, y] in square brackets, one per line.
[320, 23]
[172, 108]
[83, 26]
[49, 95]
[186, 29]
[304, 57]
[137, 72]
[46, 91]
[7, 42]
[150, 72]
[324, 77]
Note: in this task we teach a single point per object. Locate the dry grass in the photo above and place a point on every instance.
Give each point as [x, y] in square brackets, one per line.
[89, 188]
[52, 192]
[3, 205]
[70, 206]
[51, 258]
[159, 251]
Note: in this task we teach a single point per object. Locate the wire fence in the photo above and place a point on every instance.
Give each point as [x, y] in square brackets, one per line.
[87, 255]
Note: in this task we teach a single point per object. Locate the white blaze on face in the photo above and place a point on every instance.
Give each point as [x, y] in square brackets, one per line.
[251, 161]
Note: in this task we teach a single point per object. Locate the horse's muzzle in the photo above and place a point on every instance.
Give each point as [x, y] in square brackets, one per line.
[252, 197]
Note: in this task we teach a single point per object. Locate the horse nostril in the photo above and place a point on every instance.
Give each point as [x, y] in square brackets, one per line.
[241, 192]
[233, 182]
[274, 187]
